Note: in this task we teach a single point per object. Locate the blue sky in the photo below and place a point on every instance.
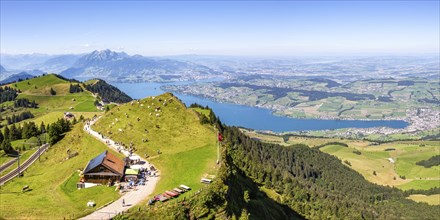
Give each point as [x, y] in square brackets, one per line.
[221, 27]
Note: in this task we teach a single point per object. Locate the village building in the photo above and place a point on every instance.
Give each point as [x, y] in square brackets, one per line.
[104, 168]
[68, 115]
[100, 107]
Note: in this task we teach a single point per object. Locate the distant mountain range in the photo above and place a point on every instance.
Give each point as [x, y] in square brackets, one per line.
[109, 65]
[21, 61]
[3, 73]
[56, 64]
[2, 69]
[16, 77]
[11, 76]
[120, 67]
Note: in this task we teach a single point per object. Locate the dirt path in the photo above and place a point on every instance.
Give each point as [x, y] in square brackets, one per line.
[131, 198]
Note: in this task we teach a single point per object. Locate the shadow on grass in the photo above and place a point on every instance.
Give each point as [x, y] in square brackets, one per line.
[16, 192]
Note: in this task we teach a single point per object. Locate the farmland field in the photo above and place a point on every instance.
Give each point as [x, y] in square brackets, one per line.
[307, 98]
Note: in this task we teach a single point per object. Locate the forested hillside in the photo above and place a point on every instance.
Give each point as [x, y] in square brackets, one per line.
[231, 196]
[302, 181]
[318, 185]
[107, 92]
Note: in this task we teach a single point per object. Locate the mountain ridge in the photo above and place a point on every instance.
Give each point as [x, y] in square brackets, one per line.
[111, 66]
[56, 64]
[114, 66]
[16, 77]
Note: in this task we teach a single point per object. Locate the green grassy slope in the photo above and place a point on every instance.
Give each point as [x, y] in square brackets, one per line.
[50, 108]
[202, 111]
[41, 85]
[188, 149]
[405, 155]
[52, 181]
[405, 163]
[38, 90]
[432, 199]
[231, 196]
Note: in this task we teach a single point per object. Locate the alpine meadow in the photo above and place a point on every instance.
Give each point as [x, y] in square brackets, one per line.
[233, 110]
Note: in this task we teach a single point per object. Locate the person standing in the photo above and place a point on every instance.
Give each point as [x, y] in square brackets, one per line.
[123, 202]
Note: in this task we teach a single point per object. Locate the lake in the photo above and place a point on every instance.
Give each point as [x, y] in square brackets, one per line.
[252, 117]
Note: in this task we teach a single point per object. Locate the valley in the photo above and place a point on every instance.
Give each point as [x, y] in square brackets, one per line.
[219, 110]
[410, 100]
[181, 142]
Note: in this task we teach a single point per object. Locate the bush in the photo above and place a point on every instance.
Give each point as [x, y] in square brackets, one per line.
[332, 143]
[203, 119]
[432, 161]
[52, 91]
[357, 152]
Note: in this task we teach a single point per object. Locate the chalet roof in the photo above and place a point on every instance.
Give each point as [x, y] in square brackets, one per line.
[114, 163]
[109, 161]
[95, 162]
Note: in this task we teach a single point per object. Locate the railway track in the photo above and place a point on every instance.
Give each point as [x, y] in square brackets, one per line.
[24, 165]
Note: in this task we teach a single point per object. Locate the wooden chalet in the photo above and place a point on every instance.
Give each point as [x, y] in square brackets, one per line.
[104, 168]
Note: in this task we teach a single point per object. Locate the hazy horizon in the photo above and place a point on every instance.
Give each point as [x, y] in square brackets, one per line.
[428, 54]
[267, 29]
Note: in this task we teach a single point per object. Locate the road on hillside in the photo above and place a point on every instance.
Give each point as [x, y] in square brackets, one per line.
[130, 198]
[24, 165]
